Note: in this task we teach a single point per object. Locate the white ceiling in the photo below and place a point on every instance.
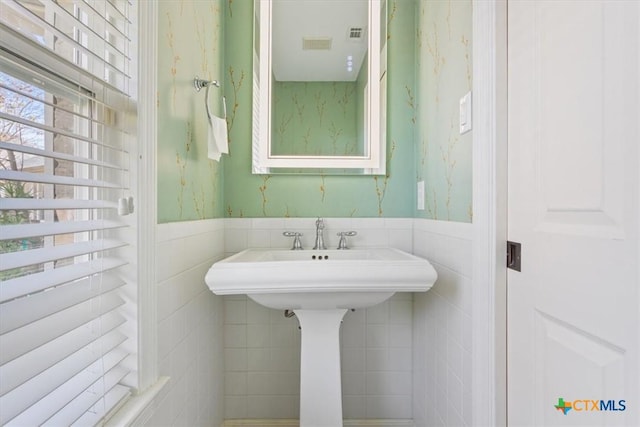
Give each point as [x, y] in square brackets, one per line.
[294, 20]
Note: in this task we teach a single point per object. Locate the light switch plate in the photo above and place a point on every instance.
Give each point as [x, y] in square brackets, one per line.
[465, 113]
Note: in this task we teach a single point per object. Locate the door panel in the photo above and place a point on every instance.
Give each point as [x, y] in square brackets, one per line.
[573, 204]
[573, 364]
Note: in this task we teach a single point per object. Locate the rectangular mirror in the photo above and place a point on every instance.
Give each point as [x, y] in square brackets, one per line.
[319, 92]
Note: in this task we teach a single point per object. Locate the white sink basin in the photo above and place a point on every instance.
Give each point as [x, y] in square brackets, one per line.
[320, 286]
[354, 278]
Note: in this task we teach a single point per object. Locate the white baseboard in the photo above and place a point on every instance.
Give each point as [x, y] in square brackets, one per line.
[296, 423]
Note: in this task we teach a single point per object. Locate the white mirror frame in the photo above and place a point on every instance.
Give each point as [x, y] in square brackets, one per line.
[373, 163]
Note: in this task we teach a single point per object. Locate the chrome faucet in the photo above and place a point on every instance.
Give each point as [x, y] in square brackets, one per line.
[297, 244]
[319, 235]
[342, 244]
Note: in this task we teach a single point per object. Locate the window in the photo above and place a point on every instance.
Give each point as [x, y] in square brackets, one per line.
[67, 273]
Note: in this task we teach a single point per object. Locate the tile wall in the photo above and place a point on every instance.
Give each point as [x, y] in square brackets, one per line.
[442, 327]
[262, 347]
[242, 233]
[230, 358]
[190, 324]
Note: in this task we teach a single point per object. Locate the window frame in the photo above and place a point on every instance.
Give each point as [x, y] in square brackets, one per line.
[143, 169]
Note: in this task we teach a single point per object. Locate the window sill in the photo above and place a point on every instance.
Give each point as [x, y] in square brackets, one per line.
[134, 411]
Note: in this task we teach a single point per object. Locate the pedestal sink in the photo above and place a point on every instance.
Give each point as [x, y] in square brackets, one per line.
[320, 286]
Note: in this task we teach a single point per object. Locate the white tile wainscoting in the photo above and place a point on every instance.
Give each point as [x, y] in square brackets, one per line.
[243, 233]
[235, 363]
[442, 327]
[190, 325]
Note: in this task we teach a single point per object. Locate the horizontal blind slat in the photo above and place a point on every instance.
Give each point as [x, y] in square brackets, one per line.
[126, 3]
[57, 131]
[21, 341]
[56, 179]
[60, 156]
[112, 398]
[45, 103]
[121, 13]
[37, 282]
[25, 231]
[43, 410]
[22, 311]
[55, 378]
[62, 11]
[10, 37]
[36, 204]
[52, 85]
[89, 399]
[62, 36]
[108, 21]
[69, 391]
[38, 256]
[22, 369]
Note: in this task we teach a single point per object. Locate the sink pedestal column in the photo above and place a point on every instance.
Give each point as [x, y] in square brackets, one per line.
[320, 384]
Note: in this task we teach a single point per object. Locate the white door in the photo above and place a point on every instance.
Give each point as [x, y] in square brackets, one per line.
[574, 120]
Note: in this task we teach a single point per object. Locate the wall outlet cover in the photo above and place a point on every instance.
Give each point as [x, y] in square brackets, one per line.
[420, 195]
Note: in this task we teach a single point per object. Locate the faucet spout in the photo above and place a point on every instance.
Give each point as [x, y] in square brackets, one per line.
[319, 235]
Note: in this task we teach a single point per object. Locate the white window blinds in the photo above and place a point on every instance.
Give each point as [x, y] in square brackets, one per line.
[66, 329]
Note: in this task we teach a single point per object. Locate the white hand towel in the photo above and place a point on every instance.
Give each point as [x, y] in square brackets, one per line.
[217, 141]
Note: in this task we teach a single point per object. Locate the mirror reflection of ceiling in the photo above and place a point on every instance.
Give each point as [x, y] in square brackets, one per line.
[314, 39]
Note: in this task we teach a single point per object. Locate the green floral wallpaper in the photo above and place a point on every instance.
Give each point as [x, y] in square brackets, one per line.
[189, 44]
[248, 195]
[443, 64]
[429, 54]
[316, 118]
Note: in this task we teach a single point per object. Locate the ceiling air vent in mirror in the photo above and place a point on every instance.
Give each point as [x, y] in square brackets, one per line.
[316, 43]
[356, 33]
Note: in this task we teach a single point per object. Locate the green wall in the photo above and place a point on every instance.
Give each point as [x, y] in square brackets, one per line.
[248, 195]
[443, 64]
[189, 44]
[315, 118]
[430, 40]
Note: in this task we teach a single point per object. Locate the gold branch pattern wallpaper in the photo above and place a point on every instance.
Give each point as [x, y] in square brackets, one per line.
[390, 195]
[317, 118]
[189, 45]
[443, 60]
[429, 69]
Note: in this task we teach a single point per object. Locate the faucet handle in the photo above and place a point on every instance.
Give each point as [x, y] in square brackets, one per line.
[297, 245]
[342, 244]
